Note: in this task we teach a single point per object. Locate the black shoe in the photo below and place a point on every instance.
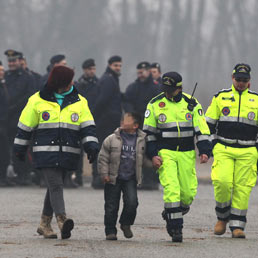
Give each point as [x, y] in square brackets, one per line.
[67, 228]
[127, 231]
[177, 235]
[111, 237]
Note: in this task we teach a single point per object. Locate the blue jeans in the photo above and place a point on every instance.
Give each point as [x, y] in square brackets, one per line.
[112, 194]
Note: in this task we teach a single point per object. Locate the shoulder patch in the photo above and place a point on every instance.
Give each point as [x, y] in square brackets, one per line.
[160, 96]
[221, 91]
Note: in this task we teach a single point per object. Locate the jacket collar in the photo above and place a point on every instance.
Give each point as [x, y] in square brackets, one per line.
[68, 99]
[235, 91]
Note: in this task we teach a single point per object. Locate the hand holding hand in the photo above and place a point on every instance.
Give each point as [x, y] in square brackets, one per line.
[156, 161]
[203, 158]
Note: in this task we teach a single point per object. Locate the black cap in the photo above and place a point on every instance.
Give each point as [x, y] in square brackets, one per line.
[12, 54]
[242, 71]
[21, 56]
[172, 79]
[156, 65]
[88, 63]
[143, 65]
[56, 59]
[113, 59]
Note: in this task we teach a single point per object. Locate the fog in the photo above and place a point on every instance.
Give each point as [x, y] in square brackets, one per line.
[201, 39]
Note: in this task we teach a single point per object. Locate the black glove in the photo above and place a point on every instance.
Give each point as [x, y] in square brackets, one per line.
[92, 154]
[20, 156]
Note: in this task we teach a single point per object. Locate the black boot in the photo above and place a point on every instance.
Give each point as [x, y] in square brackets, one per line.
[174, 227]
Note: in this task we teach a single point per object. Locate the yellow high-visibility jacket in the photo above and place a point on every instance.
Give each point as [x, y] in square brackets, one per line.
[232, 118]
[56, 131]
[171, 125]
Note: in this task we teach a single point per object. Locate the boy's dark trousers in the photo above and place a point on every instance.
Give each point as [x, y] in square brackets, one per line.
[112, 199]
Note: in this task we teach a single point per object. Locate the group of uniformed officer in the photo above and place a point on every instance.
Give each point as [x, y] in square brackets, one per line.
[229, 132]
[19, 82]
[172, 120]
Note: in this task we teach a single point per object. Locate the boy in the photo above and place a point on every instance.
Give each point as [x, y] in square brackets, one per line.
[120, 166]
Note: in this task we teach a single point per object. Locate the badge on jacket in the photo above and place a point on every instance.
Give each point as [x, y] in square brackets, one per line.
[74, 117]
[45, 116]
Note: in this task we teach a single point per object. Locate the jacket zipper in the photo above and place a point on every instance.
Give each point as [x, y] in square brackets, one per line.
[239, 105]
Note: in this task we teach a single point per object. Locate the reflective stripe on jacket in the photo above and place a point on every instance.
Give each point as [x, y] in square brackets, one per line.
[232, 118]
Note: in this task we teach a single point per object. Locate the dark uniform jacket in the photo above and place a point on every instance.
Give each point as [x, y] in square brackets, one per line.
[88, 88]
[108, 109]
[20, 86]
[138, 94]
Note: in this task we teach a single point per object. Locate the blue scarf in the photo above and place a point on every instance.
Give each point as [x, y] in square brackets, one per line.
[60, 97]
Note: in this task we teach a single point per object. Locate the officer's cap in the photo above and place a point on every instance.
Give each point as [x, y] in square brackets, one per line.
[21, 56]
[156, 65]
[11, 54]
[60, 77]
[88, 63]
[143, 65]
[114, 59]
[242, 71]
[56, 59]
[172, 79]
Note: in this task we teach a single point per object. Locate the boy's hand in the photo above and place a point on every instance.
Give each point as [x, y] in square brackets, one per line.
[203, 158]
[156, 161]
[106, 179]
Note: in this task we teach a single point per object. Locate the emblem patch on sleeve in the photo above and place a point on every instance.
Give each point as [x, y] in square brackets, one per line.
[200, 112]
[147, 113]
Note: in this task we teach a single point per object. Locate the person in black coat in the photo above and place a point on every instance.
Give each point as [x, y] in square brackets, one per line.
[20, 86]
[54, 61]
[87, 86]
[136, 97]
[141, 91]
[156, 72]
[4, 146]
[108, 109]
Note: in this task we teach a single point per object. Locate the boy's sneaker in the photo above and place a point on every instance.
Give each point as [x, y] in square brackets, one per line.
[127, 231]
[111, 237]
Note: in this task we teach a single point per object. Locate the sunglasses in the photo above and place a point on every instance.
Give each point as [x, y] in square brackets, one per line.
[242, 79]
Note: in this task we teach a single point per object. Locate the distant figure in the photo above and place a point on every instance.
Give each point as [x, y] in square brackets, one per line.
[87, 86]
[156, 72]
[4, 146]
[136, 97]
[54, 61]
[108, 108]
[87, 83]
[36, 76]
[20, 86]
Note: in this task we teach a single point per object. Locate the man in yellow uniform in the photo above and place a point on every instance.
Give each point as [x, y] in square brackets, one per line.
[232, 119]
[172, 119]
[58, 120]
